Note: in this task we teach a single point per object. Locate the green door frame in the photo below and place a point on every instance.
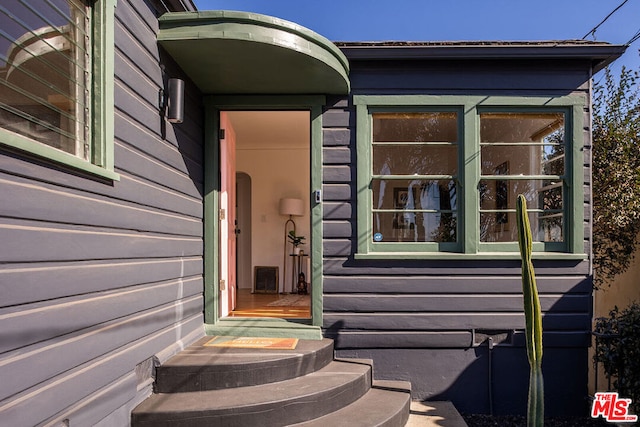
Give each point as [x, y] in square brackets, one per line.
[259, 326]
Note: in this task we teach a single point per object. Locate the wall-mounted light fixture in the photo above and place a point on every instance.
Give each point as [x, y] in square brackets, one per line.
[175, 113]
[172, 104]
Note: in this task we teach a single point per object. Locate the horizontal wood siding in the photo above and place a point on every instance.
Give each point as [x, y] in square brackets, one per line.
[441, 303]
[454, 328]
[99, 277]
[469, 77]
[447, 303]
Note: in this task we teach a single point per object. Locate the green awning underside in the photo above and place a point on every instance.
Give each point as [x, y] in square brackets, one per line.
[227, 52]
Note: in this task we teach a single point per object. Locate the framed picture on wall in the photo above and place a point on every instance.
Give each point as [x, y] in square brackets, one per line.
[401, 201]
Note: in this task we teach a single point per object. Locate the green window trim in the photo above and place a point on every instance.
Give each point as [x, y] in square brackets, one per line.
[101, 123]
[469, 175]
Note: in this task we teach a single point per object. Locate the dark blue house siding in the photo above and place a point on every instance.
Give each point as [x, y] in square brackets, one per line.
[101, 280]
[430, 321]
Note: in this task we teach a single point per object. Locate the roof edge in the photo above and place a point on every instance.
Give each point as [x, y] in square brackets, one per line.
[242, 52]
[599, 53]
[232, 16]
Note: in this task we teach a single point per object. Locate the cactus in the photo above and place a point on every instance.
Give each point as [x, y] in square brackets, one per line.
[533, 318]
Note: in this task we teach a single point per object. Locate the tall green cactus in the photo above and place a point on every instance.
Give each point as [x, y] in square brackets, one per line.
[533, 318]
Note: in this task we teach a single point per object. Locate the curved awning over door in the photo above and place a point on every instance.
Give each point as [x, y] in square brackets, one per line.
[227, 52]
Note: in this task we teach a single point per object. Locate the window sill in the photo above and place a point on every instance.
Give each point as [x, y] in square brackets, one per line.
[53, 155]
[476, 256]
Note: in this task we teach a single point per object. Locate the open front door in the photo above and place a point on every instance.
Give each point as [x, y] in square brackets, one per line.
[227, 217]
[276, 148]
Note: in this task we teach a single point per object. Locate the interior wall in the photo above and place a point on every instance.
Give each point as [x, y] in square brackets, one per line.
[273, 148]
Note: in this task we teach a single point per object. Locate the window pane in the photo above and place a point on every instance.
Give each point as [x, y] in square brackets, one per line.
[522, 143]
[521, 127]
[498, 205]
[522, 159]
[427, 227]
[544, 228]
[415, 159]
[414, 211]
[415, 127]
[44, 67]
[413, 144]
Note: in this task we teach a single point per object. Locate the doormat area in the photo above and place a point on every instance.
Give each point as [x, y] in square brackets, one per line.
[292, 300]
[253, 342]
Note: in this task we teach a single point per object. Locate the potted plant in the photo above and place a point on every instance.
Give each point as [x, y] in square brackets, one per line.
[296, 241]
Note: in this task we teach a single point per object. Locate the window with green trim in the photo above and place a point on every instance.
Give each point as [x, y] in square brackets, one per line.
[442, 174]
[413, 176]
[56, 80]
[522, 153]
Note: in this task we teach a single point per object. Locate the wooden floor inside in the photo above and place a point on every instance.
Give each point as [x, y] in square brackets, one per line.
[257, 305]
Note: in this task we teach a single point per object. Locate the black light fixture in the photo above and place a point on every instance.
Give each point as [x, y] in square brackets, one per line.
[171, 103]
[175, 111]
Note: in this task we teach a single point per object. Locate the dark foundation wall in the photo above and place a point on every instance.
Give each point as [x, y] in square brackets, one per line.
[428, 321]
[478, 380]
[101, 280]
[435, 331]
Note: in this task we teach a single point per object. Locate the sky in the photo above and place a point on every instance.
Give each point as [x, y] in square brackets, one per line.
[453, 20]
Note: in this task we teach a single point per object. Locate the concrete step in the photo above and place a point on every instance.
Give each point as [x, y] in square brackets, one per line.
[200, 368]
[434, 414]
[276, 404]
[225, 386]
[386, 404]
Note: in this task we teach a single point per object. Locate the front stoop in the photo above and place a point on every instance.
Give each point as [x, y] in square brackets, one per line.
[205, 386]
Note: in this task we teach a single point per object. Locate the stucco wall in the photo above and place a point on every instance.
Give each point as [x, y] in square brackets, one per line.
[621, 292]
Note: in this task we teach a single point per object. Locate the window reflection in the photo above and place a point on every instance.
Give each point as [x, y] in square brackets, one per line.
[528, 149]
[44, 70]
[415, 165]
[415, 211]
[415, 159]
[415, 127]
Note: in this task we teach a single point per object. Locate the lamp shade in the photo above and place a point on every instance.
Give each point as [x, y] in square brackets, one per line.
[291, 207]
